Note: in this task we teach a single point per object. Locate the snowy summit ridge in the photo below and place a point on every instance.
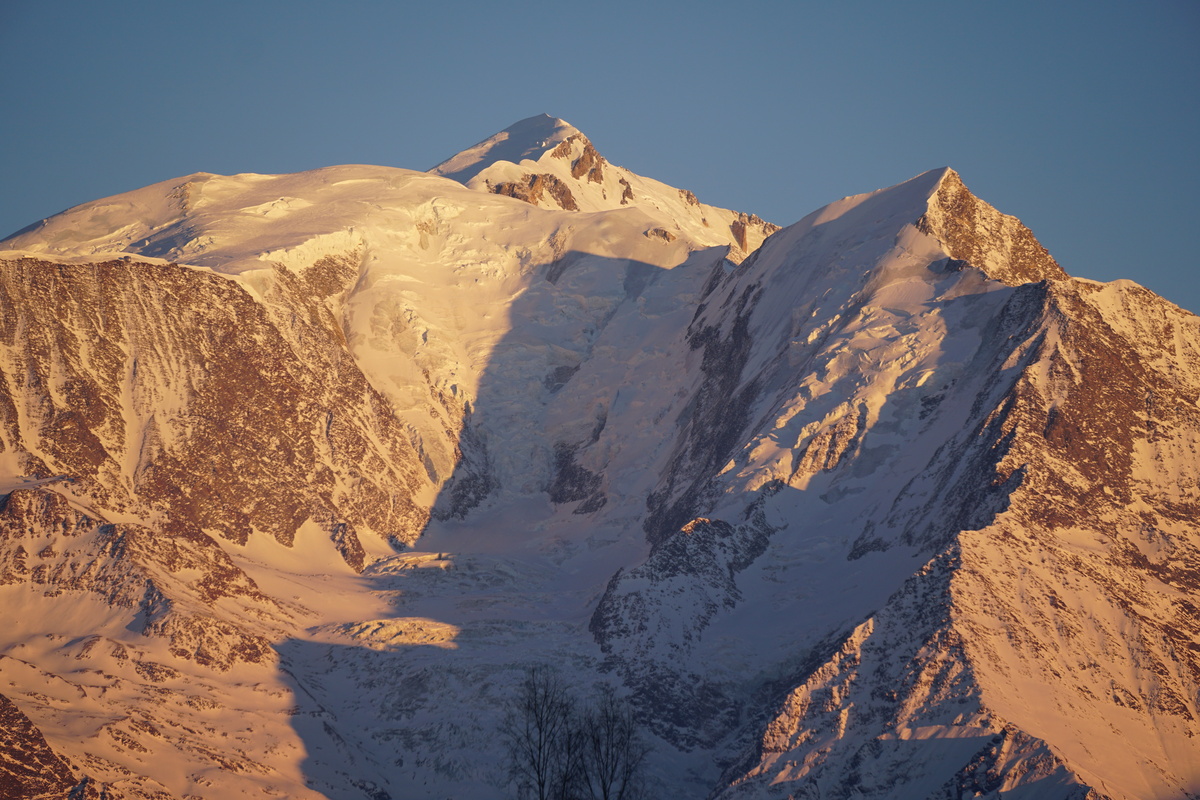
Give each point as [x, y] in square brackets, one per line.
[549, 163]
[528, 139]
[299, 474]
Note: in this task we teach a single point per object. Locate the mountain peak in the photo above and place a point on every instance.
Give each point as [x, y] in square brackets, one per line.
[549, 163]
[975, 232]
[528, 139]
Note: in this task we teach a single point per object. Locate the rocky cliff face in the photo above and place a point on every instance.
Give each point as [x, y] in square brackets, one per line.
[881, 504]
[975, 233]
[28, 766]
[171, 393]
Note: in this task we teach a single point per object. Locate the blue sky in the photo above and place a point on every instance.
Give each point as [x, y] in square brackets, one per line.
[1081, 118]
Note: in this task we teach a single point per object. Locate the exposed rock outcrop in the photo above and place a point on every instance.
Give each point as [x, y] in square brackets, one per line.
[978, 234]
[28, 765]
[163, 389]
[531, 189]
[169, 582]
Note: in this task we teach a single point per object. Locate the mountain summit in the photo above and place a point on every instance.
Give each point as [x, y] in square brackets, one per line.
[975, 233]
[551, 164]
[300, 474]
[528, 139]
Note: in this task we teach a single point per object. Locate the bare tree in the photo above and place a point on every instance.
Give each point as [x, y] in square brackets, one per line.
[556, 752]
[613, 755]
[542, 735]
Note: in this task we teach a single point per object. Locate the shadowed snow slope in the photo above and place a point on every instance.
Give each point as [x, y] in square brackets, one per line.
[301, 472]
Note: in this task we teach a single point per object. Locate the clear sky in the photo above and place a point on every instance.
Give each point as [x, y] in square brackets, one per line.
[1081, 118]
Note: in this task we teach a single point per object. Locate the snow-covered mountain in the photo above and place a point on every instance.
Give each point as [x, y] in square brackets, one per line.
[301, 472]
[547, 162]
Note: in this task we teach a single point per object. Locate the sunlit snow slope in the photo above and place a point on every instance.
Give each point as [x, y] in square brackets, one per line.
[548, 162]
[300, 472]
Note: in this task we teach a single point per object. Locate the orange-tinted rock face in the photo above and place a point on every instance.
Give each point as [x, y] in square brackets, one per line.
[155, 574]
[531, 189]
[28, 765]
[169, 390]
[974, 232]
